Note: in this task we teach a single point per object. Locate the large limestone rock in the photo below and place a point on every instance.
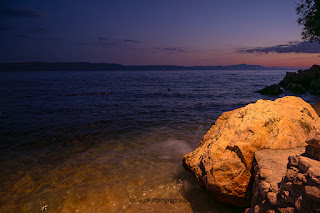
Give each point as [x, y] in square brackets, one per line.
[223, 162]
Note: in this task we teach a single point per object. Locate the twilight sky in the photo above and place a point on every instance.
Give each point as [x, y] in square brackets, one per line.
[151, 32]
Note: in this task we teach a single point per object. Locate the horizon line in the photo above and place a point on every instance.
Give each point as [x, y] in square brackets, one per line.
[144, 65]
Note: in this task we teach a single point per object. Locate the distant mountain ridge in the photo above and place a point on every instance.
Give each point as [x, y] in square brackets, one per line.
[87, 66]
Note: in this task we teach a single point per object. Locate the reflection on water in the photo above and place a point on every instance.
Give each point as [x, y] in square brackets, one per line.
[145, 175]
[112, 141]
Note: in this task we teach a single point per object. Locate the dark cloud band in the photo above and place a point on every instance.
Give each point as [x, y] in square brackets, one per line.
[112, 42]
[172, 49]
[21, 13]
[291, 47]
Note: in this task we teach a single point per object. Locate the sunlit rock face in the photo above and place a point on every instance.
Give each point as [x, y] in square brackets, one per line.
[223, 162]
[286, 180]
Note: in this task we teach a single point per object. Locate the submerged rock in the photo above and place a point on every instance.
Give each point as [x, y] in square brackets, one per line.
[222, 163]
[271, 90]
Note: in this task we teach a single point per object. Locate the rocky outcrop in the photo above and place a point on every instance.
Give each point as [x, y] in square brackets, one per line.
[315, 85]
[271, 90]
[304, 80]
[222, 163]
[313, 148]
[301, 82]
[270, 166]
[286, 181]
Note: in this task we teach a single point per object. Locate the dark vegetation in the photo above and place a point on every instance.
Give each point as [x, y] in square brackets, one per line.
[309, 17]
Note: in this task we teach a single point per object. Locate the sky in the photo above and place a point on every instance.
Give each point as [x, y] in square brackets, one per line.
[154, 32]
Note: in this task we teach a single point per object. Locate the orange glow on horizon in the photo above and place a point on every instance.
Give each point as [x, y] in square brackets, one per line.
[297, 60]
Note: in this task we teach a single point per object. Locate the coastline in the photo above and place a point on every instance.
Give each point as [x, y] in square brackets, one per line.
[162, 124]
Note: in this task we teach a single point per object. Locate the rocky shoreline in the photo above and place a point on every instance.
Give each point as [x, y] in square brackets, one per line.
[255, 157]
[303, 81]
[286, 181]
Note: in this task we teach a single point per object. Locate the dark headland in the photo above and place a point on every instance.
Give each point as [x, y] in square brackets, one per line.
[303, 81]
[87, 66]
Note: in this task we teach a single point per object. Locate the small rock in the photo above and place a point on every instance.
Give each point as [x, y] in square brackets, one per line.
[272, 197]
[313, 149]
[293, 161]
[301, 177]
[313, 152]
[298, 204]
[258, 209]
[286, 198]
[271, 90]
[291, 173]
[304, 163]
[286, 210]
[287, 186]
[303, 204]
[299, 181]
[264, 188]
[314, 174]
[313, 138]
[313, 193]
[264, 173]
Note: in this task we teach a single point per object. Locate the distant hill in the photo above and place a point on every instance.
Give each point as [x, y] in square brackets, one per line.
[87, 66]
[173, 67]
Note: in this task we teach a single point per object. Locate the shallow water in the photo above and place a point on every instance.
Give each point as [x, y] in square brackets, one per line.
[113, 141]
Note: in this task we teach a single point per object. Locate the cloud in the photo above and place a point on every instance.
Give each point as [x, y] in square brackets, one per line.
[290, 47]
[172, 49]
[108, 42]
[38, 37]
[113, 42]
[21, 13]
[130, 41]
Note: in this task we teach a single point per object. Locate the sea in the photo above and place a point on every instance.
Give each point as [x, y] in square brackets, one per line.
[113, 141]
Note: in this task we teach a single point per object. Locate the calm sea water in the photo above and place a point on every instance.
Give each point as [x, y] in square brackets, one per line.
[113, 141]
